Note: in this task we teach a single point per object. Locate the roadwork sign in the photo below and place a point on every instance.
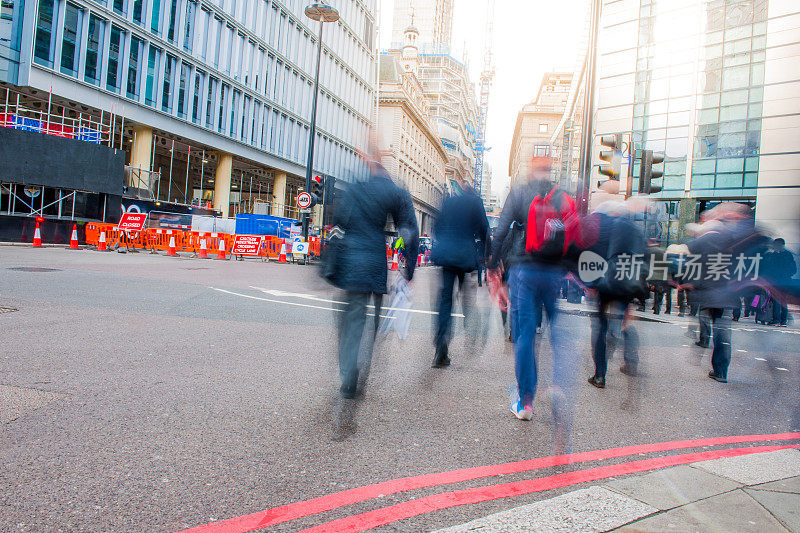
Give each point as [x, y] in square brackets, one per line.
[304, 200]
[299, 248]
[132, 221]
[246, 244]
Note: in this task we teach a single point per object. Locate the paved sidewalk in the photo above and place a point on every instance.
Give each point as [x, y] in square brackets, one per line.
[756, 493]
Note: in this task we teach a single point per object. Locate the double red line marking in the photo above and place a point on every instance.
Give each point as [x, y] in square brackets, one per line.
[364, 521]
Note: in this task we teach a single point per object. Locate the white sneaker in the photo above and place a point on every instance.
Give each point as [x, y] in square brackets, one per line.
[523, 413]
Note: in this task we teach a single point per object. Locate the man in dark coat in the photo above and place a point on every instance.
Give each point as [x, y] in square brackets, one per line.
[779, 267]
[461, 222]
[362, 269]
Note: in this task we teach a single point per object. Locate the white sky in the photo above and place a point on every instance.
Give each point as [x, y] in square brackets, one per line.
[531, 37]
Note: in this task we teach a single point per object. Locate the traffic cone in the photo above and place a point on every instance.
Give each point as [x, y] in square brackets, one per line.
[420, 259]
[37, 237]
[101, 244]
[395, 264]
[221, 254]
[282, 256]
[171, 250]
[203, 254]
[73, 240]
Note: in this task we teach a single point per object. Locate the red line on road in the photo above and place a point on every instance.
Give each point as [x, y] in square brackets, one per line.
[400, 511]
[293, 511]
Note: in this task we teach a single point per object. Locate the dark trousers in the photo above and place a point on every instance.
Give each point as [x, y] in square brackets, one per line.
[780, 312]
[351, 332]
[660, 289]
[714, 322]
[445, 318]
[682, 301]
[613, 309]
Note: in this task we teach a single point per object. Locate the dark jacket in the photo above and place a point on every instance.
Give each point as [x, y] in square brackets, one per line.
[461, 222]
[778, 266]
[734, 238]
[516, 210]
[362, 216]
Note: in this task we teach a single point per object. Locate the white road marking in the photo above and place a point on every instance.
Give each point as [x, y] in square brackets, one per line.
[742, 351]
[275, 292]
[760, 359]
[780, 368]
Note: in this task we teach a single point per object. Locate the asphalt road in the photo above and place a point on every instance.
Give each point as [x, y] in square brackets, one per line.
[145, 393]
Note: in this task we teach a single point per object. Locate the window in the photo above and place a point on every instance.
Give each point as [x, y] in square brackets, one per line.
[155, 21]
[43, 45]
[173, 13]
[212, 95]
[94, 37]
[72, 21]
[132, 90]
[198, 86]
[185, 75]
[153, 60]
[221, 115]
[188, 30]
[166, 93]
[137, 11]
[542, 128]
[114, 50]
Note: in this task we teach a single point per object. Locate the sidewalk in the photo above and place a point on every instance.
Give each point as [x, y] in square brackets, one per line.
[758, 492]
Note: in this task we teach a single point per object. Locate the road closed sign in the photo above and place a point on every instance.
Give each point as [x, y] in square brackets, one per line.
[304, 200]
[246, 244]
[132, 221]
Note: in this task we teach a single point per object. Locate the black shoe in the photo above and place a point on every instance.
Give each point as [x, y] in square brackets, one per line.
[700, 344]
[600, 383]
[441, 360]
[627, 371]
[717, 377]
[681, 314]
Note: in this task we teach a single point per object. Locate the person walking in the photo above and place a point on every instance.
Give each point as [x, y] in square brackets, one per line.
[779, 267]
[460, 225]
[360, 262]
[546, 214]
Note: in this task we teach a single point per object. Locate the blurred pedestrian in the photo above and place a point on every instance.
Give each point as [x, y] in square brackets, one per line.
[360, 267]
[547, 215]
[779, 267]
[460, 225]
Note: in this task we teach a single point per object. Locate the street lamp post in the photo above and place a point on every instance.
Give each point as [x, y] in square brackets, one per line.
[322, 13]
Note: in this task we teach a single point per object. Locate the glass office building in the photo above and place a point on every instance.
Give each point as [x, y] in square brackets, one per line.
[713, 85]
[233, 77]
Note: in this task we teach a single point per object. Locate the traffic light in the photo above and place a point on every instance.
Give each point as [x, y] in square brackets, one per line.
[647, 174]
[613, 157]
[317, 189]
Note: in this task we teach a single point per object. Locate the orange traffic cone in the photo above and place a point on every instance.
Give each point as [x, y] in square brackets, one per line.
[171, 250]
[221, 254]
[395, 264]
[73, 240]
[203, 254]
[37, 237]
[101, 244]
[282, 256]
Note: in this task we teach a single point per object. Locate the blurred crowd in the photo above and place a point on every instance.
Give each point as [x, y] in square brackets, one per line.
[543, 247]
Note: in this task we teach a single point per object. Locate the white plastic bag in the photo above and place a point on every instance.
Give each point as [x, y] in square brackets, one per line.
[397, 316]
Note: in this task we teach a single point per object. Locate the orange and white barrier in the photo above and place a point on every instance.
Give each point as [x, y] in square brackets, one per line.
[37, 237]
[101, 243]
[282, 256]
[203, 253]
[395, 264]
[171, 250]
[73, 239]
[221, 253]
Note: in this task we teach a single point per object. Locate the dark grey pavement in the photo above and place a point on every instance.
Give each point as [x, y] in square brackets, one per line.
[145, 393]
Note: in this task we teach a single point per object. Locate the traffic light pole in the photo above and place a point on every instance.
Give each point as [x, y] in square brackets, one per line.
[313, 130]
[587, 131]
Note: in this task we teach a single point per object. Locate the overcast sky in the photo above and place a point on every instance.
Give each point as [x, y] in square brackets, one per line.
[531, 37]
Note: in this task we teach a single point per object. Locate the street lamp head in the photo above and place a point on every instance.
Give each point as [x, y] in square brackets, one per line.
[322, 12]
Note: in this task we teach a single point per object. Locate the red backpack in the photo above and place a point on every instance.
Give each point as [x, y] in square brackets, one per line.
[552, 225]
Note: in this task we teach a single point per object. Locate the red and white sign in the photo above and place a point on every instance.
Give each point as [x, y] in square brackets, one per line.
[246, 244]
[132, 221]
[304, 200]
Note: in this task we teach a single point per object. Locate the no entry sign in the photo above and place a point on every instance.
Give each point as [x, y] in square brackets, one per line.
[132, 221]
[246, 244]
[304, 200]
